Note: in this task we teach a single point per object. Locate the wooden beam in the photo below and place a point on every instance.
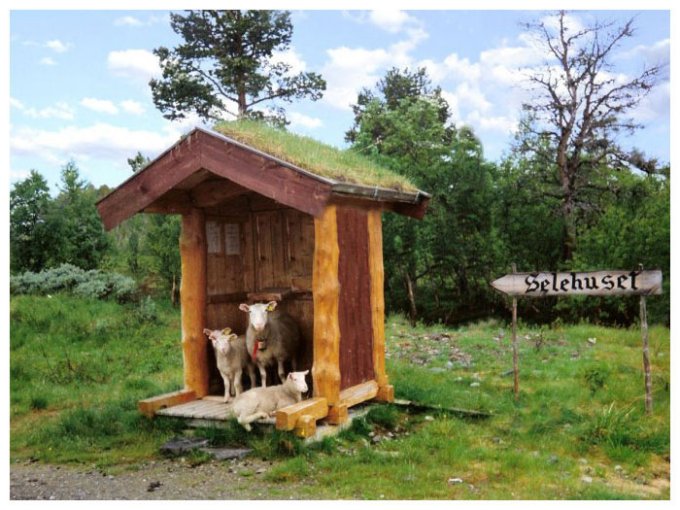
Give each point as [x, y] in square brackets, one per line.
[193, 250]
[326, 295]
[377, 272]
[216, 191]
[287, 417]
[147, 185]
[231, 297]
[175, 201]
[273, 294]
[149, 406]
[259, 174]
[359, 393]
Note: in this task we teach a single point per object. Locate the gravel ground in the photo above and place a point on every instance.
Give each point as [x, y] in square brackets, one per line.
[164, 480]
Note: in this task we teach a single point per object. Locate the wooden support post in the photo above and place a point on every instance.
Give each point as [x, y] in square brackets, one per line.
[326, 295]
[645, 355]
[192, 245]
[306, 426]
[360, 393]
[287, 417]
[377, 272]
[149, 406]
[515, 354]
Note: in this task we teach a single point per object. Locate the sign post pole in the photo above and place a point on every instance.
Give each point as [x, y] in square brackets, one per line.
[515, 354]
[593, 283]
[645, 353]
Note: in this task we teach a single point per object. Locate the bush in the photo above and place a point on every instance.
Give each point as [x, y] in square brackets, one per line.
[62, 278]
[69, 278]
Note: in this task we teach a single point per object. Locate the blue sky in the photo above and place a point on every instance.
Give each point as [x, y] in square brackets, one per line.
[78, 79]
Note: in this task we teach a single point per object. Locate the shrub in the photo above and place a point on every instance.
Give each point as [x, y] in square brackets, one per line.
[147, 310]
[69, 278]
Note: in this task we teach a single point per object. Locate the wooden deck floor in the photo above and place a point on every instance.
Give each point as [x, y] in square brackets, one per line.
[208, 411]
[210, 408]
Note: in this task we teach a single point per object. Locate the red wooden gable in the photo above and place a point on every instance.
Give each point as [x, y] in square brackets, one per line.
[206, 168]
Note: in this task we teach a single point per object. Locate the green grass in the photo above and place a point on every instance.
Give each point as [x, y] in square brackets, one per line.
[79, 367]
[314, 156]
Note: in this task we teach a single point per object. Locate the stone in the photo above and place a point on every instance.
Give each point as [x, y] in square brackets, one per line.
[429, 418]
[455, 481]
[587, 479]
[592, 341]
[553, 459]
[153, 486]
[474, 385]
[182, 445]
[227, 453]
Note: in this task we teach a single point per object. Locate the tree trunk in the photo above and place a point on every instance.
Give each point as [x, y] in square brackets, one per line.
[413, 312]
[569, 239]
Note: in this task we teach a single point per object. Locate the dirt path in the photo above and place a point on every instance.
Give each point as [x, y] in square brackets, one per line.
[165, 479]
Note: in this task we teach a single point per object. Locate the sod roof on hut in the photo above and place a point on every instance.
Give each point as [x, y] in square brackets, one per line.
[207, 167]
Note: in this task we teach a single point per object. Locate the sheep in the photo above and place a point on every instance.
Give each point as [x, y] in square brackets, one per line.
[259, 403]
[272, 336]
[232, 358]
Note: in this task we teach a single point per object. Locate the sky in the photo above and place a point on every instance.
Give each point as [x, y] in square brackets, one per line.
[78, 79]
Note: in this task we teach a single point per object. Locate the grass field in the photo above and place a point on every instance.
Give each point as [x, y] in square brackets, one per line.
[579, 430]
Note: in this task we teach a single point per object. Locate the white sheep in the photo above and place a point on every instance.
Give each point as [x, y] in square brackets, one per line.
[272, 336]
[258, 403]
[232, 359]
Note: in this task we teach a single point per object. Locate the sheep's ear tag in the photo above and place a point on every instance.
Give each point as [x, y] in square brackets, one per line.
[226, 331]
[270, 308]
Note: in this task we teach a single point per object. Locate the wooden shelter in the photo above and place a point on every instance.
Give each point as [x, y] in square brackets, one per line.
[257, 228]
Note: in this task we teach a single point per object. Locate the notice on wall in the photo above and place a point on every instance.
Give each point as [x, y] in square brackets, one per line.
[212, 233]
[232, 239]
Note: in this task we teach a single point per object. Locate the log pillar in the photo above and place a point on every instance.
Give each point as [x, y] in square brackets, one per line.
[193, 251]
[377, 273]
[326, 295]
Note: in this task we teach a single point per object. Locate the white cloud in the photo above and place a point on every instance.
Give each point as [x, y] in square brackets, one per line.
[484, 122]
[99, 105]
[472, 97]
[134, 22]
[129, 21]
[47, 61]
[60, 110]
[16, 174]
[389, 20]
[656, 105]
[656, 54]
[300, 120]
[292, 58]
[137, 64]
[133, 107]
[572, 23]
[350, 69]
[15, 103]
[58, 46]
[98, 141]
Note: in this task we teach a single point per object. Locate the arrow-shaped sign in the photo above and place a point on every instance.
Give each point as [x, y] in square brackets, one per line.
[595, 283]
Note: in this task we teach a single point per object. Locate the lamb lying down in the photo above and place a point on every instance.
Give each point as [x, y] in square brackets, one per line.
[261, 402]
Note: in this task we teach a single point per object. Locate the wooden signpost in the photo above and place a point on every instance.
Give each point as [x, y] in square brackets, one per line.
[595, 283]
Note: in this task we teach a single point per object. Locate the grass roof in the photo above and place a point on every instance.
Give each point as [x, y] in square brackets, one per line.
[314, 156]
